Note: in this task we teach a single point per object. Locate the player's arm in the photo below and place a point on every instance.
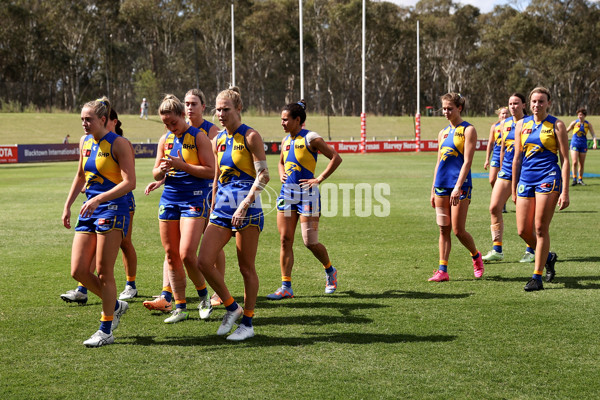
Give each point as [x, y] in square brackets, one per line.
[213, 132]
[437, 163]
[517, 160]
[318, 144]
[490, 147]
[563, 152]
[595, 145]
[571, 126]
[281, 165]
[76, 187]
[257, 149]
[161, 164]
[468, 153]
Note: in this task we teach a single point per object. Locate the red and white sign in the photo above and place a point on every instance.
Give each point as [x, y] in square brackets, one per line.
[386, 146]
[8, 154]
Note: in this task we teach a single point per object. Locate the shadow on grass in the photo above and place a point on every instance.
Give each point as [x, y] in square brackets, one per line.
[569, 282]
[268, 341]
[577, 212]
[299, 301]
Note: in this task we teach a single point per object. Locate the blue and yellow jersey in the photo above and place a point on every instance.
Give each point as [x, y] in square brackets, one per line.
[452, 157]
[540, 150]
[498, 131]
[580, 131]
[178, 180]
[509, 143]
[205, 127]
[234, 159]
[102, 171]
[299, 160]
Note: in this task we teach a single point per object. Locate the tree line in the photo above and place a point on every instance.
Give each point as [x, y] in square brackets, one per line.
[59, 54]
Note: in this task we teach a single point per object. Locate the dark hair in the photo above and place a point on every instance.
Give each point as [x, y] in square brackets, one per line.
[198, 93]
[296, 110]
[456, 99]
[522, 98]
[113, 116]
[582, 110]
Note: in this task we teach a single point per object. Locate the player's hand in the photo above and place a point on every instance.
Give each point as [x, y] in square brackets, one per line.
[283, 178]
[152, 186]
[66, 218]
[176, 161]
[486, 165]
[563, 201]
[455, 197]
[89, 207]
[240, 214]
[309, 183]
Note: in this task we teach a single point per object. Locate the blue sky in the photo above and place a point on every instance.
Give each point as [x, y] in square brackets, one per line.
[484, 6]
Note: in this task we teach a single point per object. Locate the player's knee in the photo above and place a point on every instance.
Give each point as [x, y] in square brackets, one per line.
[310, 235]
[441, 217]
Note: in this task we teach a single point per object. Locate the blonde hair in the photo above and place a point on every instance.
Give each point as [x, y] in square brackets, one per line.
[455, 98]
[101, 108]
[540, 89]
[198, 93]
[499, 111]
[171, 104]
[233, 94]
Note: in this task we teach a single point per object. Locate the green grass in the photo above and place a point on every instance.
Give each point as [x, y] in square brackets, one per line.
[40, 128]
[386, 333]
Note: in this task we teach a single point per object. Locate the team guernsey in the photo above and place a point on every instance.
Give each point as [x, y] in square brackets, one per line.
[205, 127]
[452, 159]
[495, 162]
[579, 139]
[299, 163]
[236, 177]
[184, 195]
[540, 171]
[102, 173]
[509, 149]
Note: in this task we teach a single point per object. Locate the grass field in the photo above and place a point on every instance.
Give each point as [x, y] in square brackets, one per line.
[386, 332]
[40, 128]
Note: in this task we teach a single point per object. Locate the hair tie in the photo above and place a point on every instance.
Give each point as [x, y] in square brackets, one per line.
[102, 102]
[301, 105]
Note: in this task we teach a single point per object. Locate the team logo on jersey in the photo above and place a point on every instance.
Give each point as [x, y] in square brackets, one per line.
[290, 167]
[227, 174]
[222, 148]
[510, 144]
[170, 146]
[287, 147]
[445, 136]
[94, 147]
[448, 152]
[93, 178]
[239, 147]
[102, 154]
[88, 153]
[299, 146]
[531, 149]
[189, 146]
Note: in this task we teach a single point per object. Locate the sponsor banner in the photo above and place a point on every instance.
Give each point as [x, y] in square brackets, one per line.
[145, 150]
[8, 154]
[48, 152]
[378, 146]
